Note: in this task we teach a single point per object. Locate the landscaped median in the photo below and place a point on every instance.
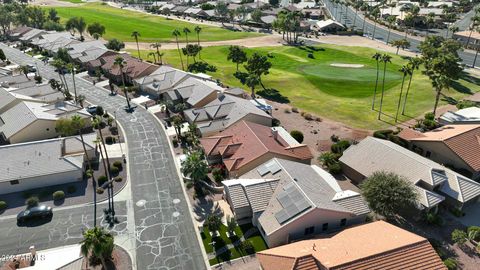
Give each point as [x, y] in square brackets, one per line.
[223, 248]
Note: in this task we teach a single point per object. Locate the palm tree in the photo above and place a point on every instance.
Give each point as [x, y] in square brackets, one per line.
[197, 30]
[390, 20]
[475, 20]
[154, 56]
[59, 66]
[81, 99]
[135, 35]
[439, 83]
[385, 59]
[375, 13]
[99, 243]
[195, 167]
[406, 70]
[186, 31]
[377, 58]
[356, 5]
[176, 34]
[157, 46]
[120, 62]
[71, 67]
[78, 124]
[24, 70]
[414, 64]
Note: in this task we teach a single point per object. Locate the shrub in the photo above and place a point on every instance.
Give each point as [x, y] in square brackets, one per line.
[114, 170]
[100, 190]
[38, 78]
[465, 104]
[175, 142]
[101, 180]
[247, 246]
[118, 179]
[32, 201]
[335, 168]
[459, 236]
[71, 189]
[189, 185]
[433, 219]
[118, 164]
[308, 117]
[3, 205]
[474, 233]
[310, 55]
[450, 263]
[382, 134]
[429, 116]
[340, 146]
[295, 109]
[58, 195]
[318, 119]
[287, 110]
[217, 174]
[297, 135]
[110, 140]
[334, 138]
[457, 212]
[275, 122]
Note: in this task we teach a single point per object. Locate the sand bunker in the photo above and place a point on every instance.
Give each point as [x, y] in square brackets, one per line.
[347, 65]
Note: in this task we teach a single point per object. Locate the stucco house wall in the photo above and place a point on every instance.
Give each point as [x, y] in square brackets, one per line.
[38, 130]
[41, 181]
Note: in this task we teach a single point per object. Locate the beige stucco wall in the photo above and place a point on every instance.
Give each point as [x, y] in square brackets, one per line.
[38, 130]
[316, 217]
[41, 181]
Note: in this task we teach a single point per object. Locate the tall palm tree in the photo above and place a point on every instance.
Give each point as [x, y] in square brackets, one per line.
[186, 31]
[414, 64]
[120, 62]
[78, 124]
[377, 58]
[154, 56]
[71, 67]
[59, 66]
[135, 35]
[405, 70]
[385, 59]
[157, 46]
[176, 34]
[356, 5]
[99, 243]
[375, 13]
[197, 30]
[24, 70]
[439, 83]
[195, 167]
[390, 20]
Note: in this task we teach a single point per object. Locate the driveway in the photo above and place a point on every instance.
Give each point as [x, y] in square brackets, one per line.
[164, 231]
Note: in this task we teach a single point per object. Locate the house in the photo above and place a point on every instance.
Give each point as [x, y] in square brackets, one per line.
[31, 121]
[246, 145]
[288, 200]
[313, 13]
[39, 164]
[16, 81]
[433, 182]
[32, 34]
[223, 112]
[473, 38]
[193, 92]
[376, 245]
[41, 92]
[456, 146]
[133, 69]
[162, 80]
[9, 99]
[52, 42]
[16, 33]
[86, 51]
[469, 115]
[327, 26]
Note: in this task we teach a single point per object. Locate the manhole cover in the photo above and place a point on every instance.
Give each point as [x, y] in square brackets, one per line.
[176, 201]
[141, 203]
[176, 214]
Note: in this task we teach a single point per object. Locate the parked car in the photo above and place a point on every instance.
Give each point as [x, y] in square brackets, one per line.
[92, 109]
[31, 68]
[41, 211]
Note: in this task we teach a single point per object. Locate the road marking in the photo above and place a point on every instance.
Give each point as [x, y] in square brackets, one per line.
[141, 203]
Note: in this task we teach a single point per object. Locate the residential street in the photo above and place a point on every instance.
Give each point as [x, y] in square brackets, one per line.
[164, 233]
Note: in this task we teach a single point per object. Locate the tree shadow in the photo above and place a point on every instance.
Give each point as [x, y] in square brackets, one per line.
[204, 207]
[471, 79]
[450, 100]
[461, 88]
[273, 95]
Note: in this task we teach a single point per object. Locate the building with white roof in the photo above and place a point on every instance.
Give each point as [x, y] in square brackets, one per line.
[44, 163]
[464, 116]
[289, 200]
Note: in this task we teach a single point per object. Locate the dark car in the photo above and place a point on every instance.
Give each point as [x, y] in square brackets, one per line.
[92, 109]
[41, 211]
[31, 68]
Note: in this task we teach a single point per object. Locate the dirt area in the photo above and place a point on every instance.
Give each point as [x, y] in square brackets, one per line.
[316, 133]
[52, 3]
[269, 40]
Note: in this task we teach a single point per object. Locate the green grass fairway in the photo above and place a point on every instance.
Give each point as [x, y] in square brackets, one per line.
[120, 23]
[337, 93]
[73, 1]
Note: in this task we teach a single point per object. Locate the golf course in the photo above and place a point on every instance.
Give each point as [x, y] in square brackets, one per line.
[151, 28]
[337, 83]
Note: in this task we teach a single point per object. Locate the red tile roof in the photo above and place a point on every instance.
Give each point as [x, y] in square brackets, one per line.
[134, 68]
[245, 141]
[377, 245]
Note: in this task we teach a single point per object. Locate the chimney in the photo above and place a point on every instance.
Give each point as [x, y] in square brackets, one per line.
[275, 133]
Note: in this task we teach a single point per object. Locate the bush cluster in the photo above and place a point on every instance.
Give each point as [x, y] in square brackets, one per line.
[58, 195]
[32, 201]
[3, 205]
[340, 146]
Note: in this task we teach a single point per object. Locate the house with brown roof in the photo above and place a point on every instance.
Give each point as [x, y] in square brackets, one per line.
[134, 68]
[246, 145]
[377, 245]
[456, 146]
[288, 200]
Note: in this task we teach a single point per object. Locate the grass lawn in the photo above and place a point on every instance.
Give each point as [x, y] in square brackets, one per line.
[73, 1]
[233, 253]
[120, 23]
[339, 93]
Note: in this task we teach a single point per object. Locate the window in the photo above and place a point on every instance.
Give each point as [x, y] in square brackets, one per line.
[325, 226]
[428, 154]
[343, 222]
[14, 182]
[309, 230]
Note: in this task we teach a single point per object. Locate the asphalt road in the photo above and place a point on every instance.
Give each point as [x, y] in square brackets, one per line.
[381, 33]
[164, 232]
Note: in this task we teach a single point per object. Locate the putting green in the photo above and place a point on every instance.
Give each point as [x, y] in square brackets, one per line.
[338, 81]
